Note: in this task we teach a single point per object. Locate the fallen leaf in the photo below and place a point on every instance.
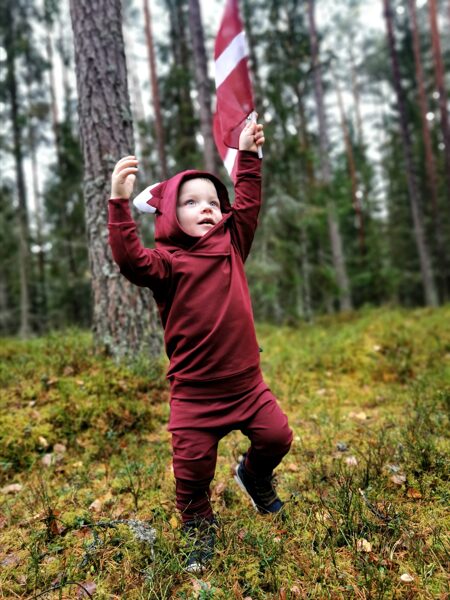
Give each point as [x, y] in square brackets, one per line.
[96, 505]
[406, 577]
[100, 502]
[292, 467]
[10, 560]
[359, 416]
[363, 545]
[43, 442]
[398, 479]
[89, 586]
[219, 489]
[413, 493]
[12, 488]
[53, 524]
[48, 459]
[200, 586]
[351, 461]
[173, 522]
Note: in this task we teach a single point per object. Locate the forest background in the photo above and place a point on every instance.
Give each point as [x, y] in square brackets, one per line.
[355, 217]
[356, 168]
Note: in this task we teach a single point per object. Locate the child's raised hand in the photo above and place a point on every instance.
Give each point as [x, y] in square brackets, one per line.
[252, 137]
[123, 177]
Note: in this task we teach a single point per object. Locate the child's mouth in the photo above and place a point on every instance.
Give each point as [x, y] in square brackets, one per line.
[206, 222]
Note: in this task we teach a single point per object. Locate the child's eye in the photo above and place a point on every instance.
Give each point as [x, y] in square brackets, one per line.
[190, 202]
[214, 203]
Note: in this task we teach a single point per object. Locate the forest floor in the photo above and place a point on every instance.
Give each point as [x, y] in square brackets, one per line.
[87, 490]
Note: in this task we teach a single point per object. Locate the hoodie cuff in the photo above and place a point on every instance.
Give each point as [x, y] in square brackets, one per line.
[248, 162]
[119, 210]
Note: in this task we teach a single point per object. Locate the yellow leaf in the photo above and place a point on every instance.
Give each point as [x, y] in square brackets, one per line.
[173, 522]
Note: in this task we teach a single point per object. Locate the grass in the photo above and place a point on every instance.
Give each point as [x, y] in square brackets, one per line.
[87, 490]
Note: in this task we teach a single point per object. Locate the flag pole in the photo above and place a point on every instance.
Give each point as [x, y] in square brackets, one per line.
[253, 117]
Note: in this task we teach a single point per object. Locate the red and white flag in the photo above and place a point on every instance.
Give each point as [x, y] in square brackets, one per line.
[233, 86]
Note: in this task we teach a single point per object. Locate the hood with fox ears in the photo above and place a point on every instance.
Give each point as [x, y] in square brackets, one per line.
[161, 200]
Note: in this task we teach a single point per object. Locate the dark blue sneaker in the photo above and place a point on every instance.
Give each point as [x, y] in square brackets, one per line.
[200, 538]
[260, 490]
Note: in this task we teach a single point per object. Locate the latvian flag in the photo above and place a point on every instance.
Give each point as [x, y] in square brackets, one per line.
[233, 86]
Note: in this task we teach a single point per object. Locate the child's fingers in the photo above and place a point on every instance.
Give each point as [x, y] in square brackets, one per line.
[124, 165]
[123, 173]
[125, 158]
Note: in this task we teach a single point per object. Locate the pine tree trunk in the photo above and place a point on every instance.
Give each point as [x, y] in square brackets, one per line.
[22, 211]
[430, 293]
[41, 287]
[155, 92]
[428, 146]
[345, 300]
[351, 169]
[186, 146]
[203, 86]
[356, 98]
[124, 316]
[439, 71]
[137, 106]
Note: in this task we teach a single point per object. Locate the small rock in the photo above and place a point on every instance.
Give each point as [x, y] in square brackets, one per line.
[406, 577]
[341, 447]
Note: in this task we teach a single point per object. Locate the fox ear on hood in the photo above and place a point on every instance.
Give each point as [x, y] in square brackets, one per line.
[149, 199]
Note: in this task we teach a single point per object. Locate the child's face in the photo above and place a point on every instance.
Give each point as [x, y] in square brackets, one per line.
[198, 206]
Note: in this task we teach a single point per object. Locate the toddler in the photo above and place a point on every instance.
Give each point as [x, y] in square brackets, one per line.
[196, 274]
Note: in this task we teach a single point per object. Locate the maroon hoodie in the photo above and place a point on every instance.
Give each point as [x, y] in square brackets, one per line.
[198, 283]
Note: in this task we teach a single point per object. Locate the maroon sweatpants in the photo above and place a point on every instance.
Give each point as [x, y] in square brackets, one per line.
[203, 416]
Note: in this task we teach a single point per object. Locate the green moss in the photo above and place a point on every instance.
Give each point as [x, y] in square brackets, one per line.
[375, 384]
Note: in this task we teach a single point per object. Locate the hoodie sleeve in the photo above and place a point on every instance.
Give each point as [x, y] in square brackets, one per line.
[142, 266]
[247, 201]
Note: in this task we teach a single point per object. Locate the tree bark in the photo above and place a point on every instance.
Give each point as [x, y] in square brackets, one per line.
[439, 71]
[155, 92]
[356, 98]
[430, 293]
[351, 169]
[124, 316]
[345, 300]
[22, 210]
[430, 164]
[203, 86]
